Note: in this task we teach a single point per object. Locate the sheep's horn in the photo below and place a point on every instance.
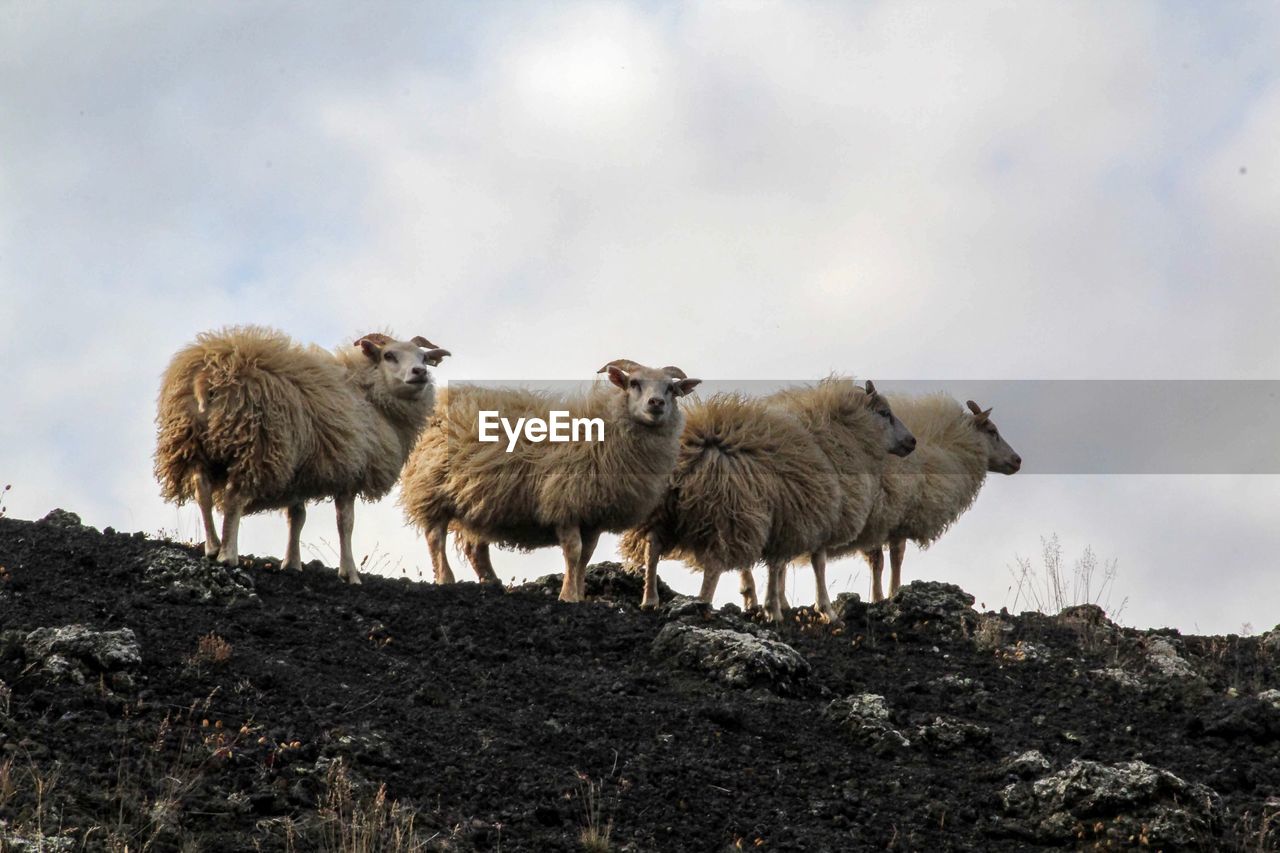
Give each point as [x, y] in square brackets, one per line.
[375, 338]
[977, 410]
[419, 340]
[623, 364]
[674, 372]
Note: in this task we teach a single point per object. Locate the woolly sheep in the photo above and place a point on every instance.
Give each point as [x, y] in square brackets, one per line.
[750, 486]
[857, 430]
[923, 494]
[543, 494]
[250, 421]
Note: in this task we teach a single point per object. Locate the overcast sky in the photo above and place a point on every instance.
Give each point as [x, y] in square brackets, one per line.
[958, 191]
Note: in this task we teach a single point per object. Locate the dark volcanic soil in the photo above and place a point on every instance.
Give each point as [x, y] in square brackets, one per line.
[509, 721]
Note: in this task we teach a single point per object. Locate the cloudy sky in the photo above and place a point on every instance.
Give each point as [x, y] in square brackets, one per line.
[965, 192]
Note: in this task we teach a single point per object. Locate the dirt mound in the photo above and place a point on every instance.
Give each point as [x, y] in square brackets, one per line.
[148, 697]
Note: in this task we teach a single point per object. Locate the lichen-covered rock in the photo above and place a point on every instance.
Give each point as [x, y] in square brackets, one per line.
[1162, 658]
[1025, 651]
[1271, 641]
[1270, 697]
[184, 577]
[937, 610]
[62, 518]
[1129, 804]
[31, 840]
[1027, 765]
[69, 652]
[945, 734]
[1122, 677]
[865, 716]
[735, 658]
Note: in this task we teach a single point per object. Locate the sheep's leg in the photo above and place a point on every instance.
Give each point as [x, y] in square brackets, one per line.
[772, 593]
[748, 589]
[652, 556]
[589, 540]
[346, 523]
[897, 551]
[437, 542]
[818, 559]
[710, 579]
[204, 498]
[782, 589]
[233, 506]
[875, 559]
[477, 553]
[571, 544]
[297, 514]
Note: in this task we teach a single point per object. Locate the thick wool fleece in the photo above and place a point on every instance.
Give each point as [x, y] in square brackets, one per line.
[750, 485]
[518, 499]
[279, 422]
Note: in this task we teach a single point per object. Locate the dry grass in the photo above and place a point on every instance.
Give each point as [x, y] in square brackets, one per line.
[597, 828]
[4, 492]
[212, 650]
[351, 824]
[1052, 587]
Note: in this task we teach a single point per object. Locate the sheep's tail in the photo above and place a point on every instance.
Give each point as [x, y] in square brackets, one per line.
[180, 421]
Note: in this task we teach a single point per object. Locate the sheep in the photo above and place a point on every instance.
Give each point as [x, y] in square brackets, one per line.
[751, 485]
[250, 421]
[544, 494]
[857, 431]
[923, 494]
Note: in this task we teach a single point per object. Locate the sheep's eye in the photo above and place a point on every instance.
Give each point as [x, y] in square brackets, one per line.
[635, 384]
[390, 356]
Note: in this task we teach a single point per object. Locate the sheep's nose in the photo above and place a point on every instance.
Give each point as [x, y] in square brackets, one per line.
[657, 403]
[1017, 461]
[419, 370]
[910, 443]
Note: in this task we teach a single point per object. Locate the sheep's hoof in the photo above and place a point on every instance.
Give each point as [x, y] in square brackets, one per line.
[353, 578]
[211, 549]
[649, 604]
[296, 566]
[229, 559]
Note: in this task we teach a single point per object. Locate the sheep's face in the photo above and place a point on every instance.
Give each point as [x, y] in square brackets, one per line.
[1001, 458]
[651, 393]
[896, 438]
[402, 365]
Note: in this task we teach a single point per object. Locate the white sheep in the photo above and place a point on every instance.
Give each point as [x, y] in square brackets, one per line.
[857, 431]
[750, 486]
[923, 494]
[543, 494]
[250, 421]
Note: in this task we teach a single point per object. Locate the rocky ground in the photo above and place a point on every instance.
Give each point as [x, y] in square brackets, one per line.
[151, 700]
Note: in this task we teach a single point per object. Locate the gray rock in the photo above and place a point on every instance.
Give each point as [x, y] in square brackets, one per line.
[79, 645]
[683, 606]
[1271, 641]
[1113, 803]
[62, 518]
[945, 734]
[183, 577]
[940, 610]
[1029, 765]
[1120, 676]
[1271, 697]
[1162, 658]
[732, 657]
[865, 716]
[33, 841]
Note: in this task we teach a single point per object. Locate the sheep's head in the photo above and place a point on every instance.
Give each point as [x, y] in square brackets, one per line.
[651, 392]
[898, 440]
[1001, 458]
[402, 365]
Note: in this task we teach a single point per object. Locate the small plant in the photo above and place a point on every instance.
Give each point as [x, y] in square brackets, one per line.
[1053, 588]
[212, 650]
[353, 825]
[596, 828]
[3, 493]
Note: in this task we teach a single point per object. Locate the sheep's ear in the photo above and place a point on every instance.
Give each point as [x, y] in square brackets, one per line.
[978, 413]
[419, 340]
[871, 388]
[435, 355]
[684, 386]
[617, 375]
[371, 345]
